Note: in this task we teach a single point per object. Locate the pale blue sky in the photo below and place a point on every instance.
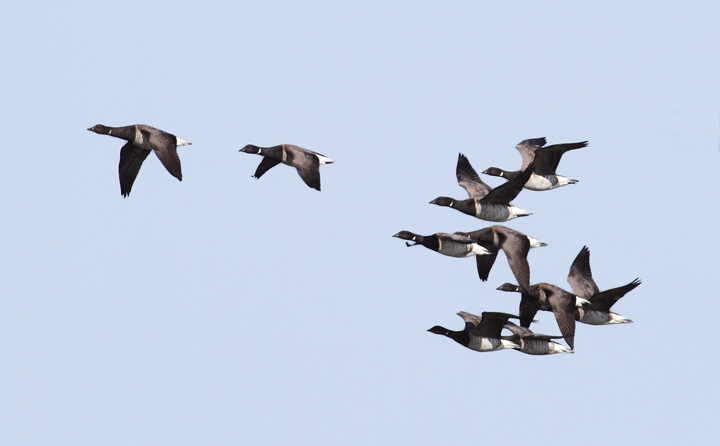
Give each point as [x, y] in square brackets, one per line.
[225, 310]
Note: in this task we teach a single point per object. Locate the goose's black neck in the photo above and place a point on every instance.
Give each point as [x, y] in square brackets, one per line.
[510, 175]
[429, 241]
[465, 206]
[127, 133]
[461, 337]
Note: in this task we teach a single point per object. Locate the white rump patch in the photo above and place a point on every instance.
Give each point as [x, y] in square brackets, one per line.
[517, 212]
[535, 243]
[182, 142]
[559, 348]
[479, 250]
[324, 159]
[617, 319]
[563, 181]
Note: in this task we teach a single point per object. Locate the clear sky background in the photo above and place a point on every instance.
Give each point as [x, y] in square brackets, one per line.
[224, 310]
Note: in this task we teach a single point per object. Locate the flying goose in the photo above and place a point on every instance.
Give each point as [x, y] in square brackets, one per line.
[543, 296]
[485, 203]
[452, 245]
[480, 334]
[546, 161]
[534, 344]
[305, 161]
[141, 140]
[514, 244]
[597, 312]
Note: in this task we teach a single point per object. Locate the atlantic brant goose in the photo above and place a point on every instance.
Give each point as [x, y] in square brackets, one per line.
[485, 203]
[141, 140]
[514, 244]
[527, 341]
[546, 161]
[543, 296]
[305, 161]
[597, 312]
[452, 245]
[481, 334]
[532, 343]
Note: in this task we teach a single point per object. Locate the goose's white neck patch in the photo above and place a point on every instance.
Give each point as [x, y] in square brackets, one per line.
[579, 301]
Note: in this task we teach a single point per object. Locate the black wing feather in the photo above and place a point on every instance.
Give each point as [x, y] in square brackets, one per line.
[131, 159]
[492, 324]
[469, 179]
[519, 266]
[265, 165]
[165, 146]
[529, 307]
[309, 171]
[485, 263]
[580, 276]
[605, 300]
[563, 306]
[548, 158]
[507, 192]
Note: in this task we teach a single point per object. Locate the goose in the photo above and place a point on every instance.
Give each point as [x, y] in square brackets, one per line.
[534, 344]
[485, 203]
[305, 161]
[452, 245]
[141, 140]
[546, 161]
[543, 296]
[597, 312]
[514, 244]
[481, 334]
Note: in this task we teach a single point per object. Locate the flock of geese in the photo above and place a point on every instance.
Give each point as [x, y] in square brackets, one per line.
[143, 139]
[586, 304]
